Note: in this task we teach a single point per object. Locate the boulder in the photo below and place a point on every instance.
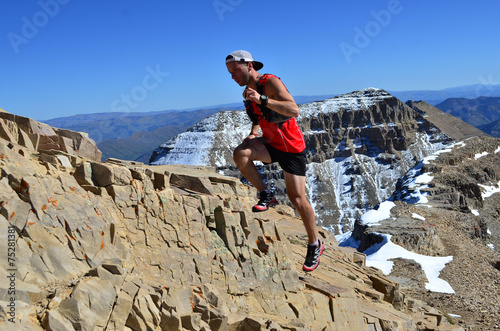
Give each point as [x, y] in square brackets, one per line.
[40, 137]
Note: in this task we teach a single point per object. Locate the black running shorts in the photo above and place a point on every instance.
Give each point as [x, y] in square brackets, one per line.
[293, 163]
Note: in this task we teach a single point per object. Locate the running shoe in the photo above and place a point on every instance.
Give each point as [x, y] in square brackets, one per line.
[312, 257]
[266, 200]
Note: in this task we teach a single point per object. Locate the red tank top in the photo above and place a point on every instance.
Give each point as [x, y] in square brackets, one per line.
[285, 136]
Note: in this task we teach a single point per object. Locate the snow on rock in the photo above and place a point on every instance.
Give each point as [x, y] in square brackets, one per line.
[488, 191]
[356, 100]
[480, 155]
[200, 145]
[192, 149]
[417, 216]
[412, 185]
[374, 216]
[378, 256]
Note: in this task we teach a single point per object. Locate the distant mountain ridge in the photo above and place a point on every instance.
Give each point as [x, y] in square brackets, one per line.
[492, 128]
[477, 112]
[434, 97]
[103, 126]
[140, 145]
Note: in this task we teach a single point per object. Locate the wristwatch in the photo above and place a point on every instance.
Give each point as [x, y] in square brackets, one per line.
[263, 100]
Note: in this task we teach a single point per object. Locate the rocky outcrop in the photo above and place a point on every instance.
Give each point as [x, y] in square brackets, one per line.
[449, 205]
[361, 143]
[124, 246]
[453, 127]
[39, 137]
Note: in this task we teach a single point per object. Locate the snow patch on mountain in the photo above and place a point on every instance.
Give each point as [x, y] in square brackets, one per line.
[374, 216]
[416, 180]
[233, 128]
[189, 149]
[196, 145]
[353, 101]
[488, 191]
[347, 179]
[381, 254]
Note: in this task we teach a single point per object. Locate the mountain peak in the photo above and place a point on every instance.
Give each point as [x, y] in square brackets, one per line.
[356, 100]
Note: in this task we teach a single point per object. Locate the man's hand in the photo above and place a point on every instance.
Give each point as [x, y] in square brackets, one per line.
[279, 99]
[251, 136]
[254, 132]
[252, 95]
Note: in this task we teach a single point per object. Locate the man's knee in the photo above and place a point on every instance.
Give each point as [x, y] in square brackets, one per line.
[298, 201]
[240, 154]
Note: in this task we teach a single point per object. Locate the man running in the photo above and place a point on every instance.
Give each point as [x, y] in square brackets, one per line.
[273, 110]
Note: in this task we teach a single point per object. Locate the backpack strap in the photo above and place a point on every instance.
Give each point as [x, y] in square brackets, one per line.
[262, 83]
[269, 114]
[251, 114]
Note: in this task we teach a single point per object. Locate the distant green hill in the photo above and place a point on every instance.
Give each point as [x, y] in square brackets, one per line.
[108, 126]
[132, 136]
[140, 145]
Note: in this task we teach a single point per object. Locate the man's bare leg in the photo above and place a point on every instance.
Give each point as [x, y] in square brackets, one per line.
[248, 151]
[296, 189]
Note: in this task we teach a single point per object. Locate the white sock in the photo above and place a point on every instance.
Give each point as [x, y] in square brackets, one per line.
[316, 243]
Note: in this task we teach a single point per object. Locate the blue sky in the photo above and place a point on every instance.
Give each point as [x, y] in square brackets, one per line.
[64, 57]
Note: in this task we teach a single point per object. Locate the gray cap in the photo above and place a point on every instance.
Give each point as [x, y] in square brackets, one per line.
[244, 56]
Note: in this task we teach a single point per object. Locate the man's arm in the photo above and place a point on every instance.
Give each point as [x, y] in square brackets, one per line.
[280, 100]
[254, 132]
